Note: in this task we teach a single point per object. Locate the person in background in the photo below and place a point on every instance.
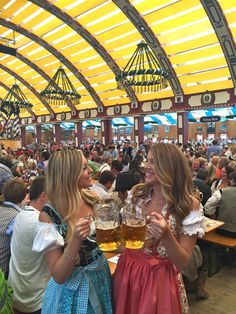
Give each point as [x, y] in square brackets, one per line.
[14, 192]
[104, 184]
[116, 168]
[43, 164]
[224, 180]
[200, 183]
[92, 164]
[114, 151]
[106, 164]
[214, 161]
[211, 174]
[195, 166]
[213, 149]
[222, 163]
[127, 151]
[5, 175]
[54, 147]
[149, 280]
[231, 153]
[225, 201]
[81, 281]
[125, 181]
[28, 272]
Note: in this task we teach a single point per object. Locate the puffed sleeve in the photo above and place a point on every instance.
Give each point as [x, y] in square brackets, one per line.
[193, 223]
[47, 238]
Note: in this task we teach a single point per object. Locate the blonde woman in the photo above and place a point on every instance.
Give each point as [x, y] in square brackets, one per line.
[80, 280]
[149, 280]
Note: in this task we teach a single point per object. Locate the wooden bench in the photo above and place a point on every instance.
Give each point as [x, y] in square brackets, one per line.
[216, 242]
[214, 237]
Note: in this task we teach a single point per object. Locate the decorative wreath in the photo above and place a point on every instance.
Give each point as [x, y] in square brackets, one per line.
[117, 109]
[87, 113]
[208, 99]
[156, 105]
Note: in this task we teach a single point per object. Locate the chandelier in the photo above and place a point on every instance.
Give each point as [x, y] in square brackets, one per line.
[14, 101]
[60, 90]
[143, 71]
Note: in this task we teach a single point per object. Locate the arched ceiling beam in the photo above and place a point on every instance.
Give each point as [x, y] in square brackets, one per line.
[87, 36]
[41, 72]
[15, 95]
[20, 79]
[134, 16]
[223, 34]
[56, 54]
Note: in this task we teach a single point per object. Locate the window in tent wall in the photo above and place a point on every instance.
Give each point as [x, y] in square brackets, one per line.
[223, 136]
[167, 128]
[211, 136]
[211, 127]
[199, 137]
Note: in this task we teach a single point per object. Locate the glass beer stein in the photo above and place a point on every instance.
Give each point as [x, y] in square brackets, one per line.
[133, 230]
[107, 225]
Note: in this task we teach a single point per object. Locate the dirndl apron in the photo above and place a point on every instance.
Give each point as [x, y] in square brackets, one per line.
[145, 284]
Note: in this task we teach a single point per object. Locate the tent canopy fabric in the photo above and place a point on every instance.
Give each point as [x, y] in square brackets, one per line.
[93, 41]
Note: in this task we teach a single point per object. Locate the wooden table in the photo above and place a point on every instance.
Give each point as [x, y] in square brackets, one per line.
[211, 224]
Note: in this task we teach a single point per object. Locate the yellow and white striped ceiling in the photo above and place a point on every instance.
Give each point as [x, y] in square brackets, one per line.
[95, 38]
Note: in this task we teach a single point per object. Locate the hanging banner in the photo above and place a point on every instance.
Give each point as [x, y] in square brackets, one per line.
[210, 119]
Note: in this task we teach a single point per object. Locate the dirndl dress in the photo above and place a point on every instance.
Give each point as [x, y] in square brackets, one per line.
[88, 289]
[146, 281]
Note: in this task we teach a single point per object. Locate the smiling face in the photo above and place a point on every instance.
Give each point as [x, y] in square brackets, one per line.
[85, 178]
[223, 174]
[151, 177]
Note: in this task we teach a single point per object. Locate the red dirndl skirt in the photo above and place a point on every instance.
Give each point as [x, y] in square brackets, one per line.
[145, 284]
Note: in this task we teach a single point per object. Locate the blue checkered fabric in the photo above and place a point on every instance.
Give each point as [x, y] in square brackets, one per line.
[86, 291]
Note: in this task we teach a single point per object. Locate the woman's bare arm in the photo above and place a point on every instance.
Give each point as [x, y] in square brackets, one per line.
[62, 264]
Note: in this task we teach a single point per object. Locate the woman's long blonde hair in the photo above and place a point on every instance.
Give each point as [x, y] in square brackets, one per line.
[174, 174]
[64, 170]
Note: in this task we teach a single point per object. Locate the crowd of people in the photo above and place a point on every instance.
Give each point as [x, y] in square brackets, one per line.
[48, 250]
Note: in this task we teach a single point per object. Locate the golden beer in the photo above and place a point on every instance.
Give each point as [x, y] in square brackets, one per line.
[133, 234]
[108, 236]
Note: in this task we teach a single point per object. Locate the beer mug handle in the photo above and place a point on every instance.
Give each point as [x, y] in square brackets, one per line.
[92, 234]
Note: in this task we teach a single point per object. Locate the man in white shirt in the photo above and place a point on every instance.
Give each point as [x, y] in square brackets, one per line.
[102, 187]
[222, 203]
[28, 274]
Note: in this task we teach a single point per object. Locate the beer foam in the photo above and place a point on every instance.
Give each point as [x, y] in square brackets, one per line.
[134, 223]
[107, 225]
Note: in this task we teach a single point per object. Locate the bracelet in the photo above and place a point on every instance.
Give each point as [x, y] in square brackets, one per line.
[70, 257]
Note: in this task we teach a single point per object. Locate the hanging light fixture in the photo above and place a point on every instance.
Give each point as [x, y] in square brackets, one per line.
[143, 71]
[60, 90]
[14, 101]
